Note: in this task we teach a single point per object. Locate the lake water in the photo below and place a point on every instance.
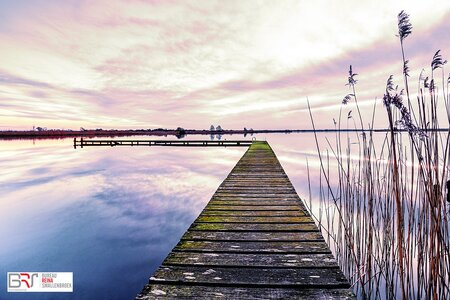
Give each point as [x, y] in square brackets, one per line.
[111, 215]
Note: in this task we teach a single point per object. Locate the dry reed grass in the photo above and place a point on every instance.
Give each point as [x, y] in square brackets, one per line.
[387, 215]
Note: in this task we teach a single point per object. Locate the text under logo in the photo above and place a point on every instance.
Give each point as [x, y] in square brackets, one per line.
[40, 281]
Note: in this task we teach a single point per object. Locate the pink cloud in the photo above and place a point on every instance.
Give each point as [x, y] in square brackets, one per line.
[185, 63]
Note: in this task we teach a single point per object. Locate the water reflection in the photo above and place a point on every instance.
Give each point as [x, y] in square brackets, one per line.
[108, 215]
[215, 136]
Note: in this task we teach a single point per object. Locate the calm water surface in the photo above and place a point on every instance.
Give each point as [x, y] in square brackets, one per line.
[111, 215]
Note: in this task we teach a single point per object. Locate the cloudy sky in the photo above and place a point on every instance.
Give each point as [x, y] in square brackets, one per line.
[154, 63]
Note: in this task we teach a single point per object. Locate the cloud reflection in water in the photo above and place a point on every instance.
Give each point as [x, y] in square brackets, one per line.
[108, 215]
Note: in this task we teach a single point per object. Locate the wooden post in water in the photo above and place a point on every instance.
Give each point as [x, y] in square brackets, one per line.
[254, 239]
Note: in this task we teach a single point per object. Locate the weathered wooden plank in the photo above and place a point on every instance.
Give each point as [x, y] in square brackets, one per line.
[254, 175]
[227, 219]
[278, 198]
[252, 213]
[268, 162]
[244, 182]
[252, 236]
[266, 175]
[256, 183]
[252, 196]
[258, 170]
[251, 189]
[254, 202]
[253, 186]
[250, 166]
[255, 194]
[269, 167]
[260, 160]
[253, 227]
[159, 291]
[234, 207]
[253, 247]
[259, 260]
[266, 179]
[263, 183]
[256, 205]
[245, 276]
[274, 199]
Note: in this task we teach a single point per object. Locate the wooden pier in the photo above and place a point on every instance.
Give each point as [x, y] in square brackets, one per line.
[147, 143]
[254, 240]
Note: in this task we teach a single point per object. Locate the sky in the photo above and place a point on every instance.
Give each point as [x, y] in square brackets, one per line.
[153, 63]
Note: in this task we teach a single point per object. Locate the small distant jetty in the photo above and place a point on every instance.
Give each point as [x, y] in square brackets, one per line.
[148, 143]
[254, 240]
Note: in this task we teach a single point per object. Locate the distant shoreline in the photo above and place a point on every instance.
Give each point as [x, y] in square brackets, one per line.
[166, 132]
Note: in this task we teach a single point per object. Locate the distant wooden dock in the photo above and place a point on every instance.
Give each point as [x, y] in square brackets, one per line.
[147, 143]
[254, 240]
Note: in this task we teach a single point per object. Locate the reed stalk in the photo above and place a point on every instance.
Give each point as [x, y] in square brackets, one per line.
[386, 216]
